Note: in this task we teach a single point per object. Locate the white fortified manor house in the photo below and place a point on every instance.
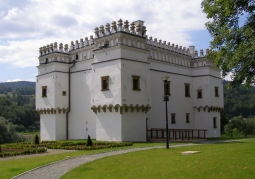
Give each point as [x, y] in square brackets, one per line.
[110, 87]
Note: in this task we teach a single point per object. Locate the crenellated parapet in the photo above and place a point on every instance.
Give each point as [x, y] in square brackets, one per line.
[51, 48]
[200, 60]
[121, 108]
[135, 28]
[82, 43]
[168, 46]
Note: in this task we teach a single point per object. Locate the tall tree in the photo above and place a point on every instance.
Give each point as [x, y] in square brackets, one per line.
[233, 40]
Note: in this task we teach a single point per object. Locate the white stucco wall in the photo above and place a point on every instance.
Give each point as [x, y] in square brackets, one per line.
[134, 126]
[108, 126]
[82, 121]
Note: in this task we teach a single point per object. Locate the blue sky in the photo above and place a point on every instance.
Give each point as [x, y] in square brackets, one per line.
[26, 25]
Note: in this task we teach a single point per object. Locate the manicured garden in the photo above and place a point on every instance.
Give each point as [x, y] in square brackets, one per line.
[223, 160]
[30, 148]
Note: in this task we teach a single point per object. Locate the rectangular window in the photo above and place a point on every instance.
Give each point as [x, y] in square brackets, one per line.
[44, 91]
[215, 122]
[167, 88]
[63, 93]
[173, 121]
[187, 90]
[216, 90]
[187, 118]
[136, 83]
[104, 83]
[199, 94]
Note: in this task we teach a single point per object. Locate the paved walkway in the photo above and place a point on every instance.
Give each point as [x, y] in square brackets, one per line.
[57, 169]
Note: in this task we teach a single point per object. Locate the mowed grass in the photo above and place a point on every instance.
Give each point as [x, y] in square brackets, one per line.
[12, 167]
[224, 160]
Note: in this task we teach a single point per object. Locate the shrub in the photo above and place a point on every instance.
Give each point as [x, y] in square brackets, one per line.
[36, 139]
[89, 141]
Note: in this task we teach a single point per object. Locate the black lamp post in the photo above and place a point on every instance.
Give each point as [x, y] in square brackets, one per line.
[166, 98]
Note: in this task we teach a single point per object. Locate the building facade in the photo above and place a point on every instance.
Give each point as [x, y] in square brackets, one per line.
[110, 86]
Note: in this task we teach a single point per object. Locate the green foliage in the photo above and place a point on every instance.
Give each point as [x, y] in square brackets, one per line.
[89, 141]
[20, 110]
[240, 127]
[238, 101]
[36, 139]
[233, 43]
[8, 132]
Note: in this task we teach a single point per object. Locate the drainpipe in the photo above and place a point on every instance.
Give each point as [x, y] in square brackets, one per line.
[69, 100]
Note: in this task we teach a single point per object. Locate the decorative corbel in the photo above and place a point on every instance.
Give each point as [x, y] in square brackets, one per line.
[110, 107]
[137, 107]
[94, 109]
[132, 108]
[104, 108]
[116, 107]
[98, 108]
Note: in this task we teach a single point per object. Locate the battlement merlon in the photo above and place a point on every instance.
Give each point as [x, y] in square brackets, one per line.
[136, 28]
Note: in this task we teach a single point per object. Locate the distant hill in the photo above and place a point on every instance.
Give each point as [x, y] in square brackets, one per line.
[17, 84]
[18, 87]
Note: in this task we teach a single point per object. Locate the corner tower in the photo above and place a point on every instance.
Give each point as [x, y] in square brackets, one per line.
[120, 93]
[52, 91]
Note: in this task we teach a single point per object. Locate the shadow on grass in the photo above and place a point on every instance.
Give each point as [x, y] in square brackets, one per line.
[229, 142]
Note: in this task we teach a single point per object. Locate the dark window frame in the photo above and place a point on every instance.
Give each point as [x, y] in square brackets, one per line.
[44, 91]
[199, 94]
[187, 118]
[214, 122]
[216, 91]
[173, 118]
[187, 89]
[104, 83]
[136, 83]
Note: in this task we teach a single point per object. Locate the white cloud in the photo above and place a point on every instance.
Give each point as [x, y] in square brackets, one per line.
[13, 80]
[27, 27]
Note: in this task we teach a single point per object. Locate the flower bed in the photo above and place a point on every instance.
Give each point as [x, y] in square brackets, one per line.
[9, 151]
[30, 148]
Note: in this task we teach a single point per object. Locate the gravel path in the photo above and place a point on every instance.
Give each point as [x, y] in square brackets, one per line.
[57, 169]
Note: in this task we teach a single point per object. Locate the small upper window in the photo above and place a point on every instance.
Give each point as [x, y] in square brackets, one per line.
[199, 94]
[104, 83]
[216, 90]
[187, 90]
[63, 93]
[136, 83]
[44, 91]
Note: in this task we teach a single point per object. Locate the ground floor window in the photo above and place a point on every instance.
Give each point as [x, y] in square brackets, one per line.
[187, 118]
[215, 122]
[173, 121]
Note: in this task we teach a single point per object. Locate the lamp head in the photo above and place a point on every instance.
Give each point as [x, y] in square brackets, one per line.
[165, 78]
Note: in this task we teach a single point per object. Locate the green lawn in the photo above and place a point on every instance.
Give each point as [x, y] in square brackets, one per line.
[13, 167]
[224, 160]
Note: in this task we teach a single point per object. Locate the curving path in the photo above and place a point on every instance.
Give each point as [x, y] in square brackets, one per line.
[57, 169]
